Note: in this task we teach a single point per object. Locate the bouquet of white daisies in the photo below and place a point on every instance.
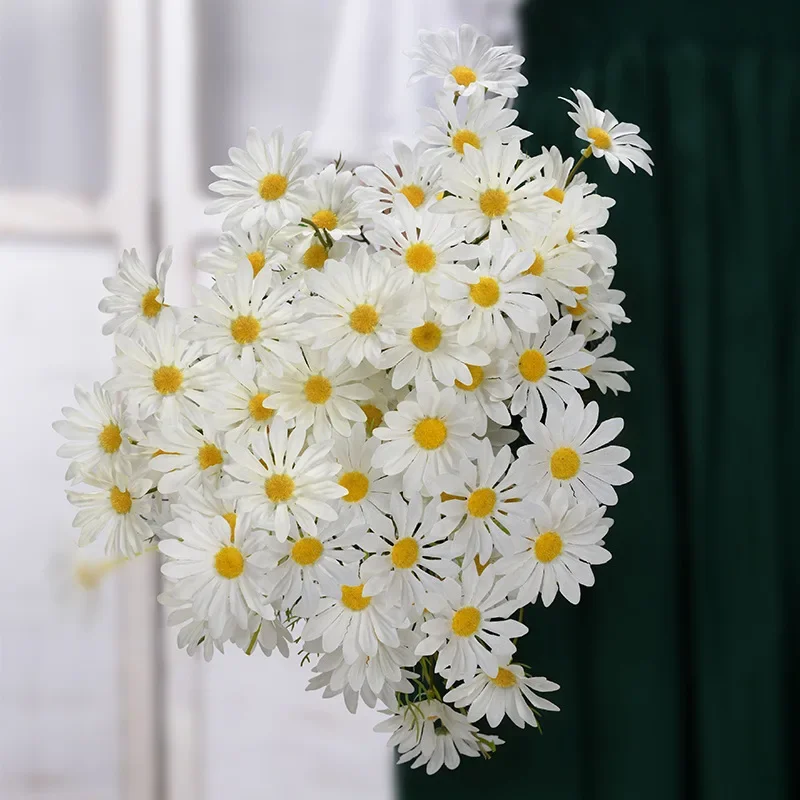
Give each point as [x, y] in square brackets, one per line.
[326, 449]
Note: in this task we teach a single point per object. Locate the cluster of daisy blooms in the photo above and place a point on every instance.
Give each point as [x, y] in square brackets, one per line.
[326, 449]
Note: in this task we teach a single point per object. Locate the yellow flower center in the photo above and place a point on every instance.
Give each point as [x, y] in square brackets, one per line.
[167, 380]
[564, 463]
[150, 305]
[306, 551]
[426, 337]
[257, 260]
[505, 679]
[486, 292]
[317, 389]
[420, 257]
[256, 407]
[599, 138]
[430, 433]
[279, 488]
[230, 518]
[364, 319]
[466, 621]
[548, 546]
[465, 136]
[209, 455]
[357, 485]
[110, 438]
[325, 218]
[481, 502]
[537, 267]
[570, 236]
[405, 553]
[353, 597]
[555, 194]
[315, 256]
[245, 330]
[414, 194]
[477, 379]
[494, 202]
[229, 562]
[532, 365]
[121, 500]
[464, 76]
[272, 186]
[374, 417]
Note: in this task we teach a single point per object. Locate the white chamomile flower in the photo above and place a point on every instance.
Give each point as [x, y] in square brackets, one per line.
[495, 187]
[467, 62]
[408, 555]
[358, 307]
[424, 437]
[510, 694]
[356, 622]
[98, 431]
[424, 243]
[597, 306]
[329, 203]
[306, 564]
[307, 253]
[223, 579]
[557, 169]
[384, 398]
[431, 351]
[314, 396]
[482, 298]
[194, 635]
[483, 502]
[262, 182]
[485, 394]
[544, 369]
[159, 371]
[407, 174]
[564, 539]
[469, 121]
[617, 142]
[580, 216]
[268, 634]
[566, 450]
[119, 506]
[137, 293]
[242, 313]
[469, 627]
[368, 489]
[605, 371]
[278, 477]
[262, 246]
[196, 501]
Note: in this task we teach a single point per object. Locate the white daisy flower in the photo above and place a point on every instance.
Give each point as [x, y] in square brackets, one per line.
[98, 431]
[194, 635]
[557, 169]
[555, 555]
[485, 394]
[580, 216]
[431, 733]
[597, 307]
[306, 252]
[223, 579]
[305, 565]
[119, 508]
[384, 398]
[469, 627]
[605, 371]
[431, 351]
[242, 313]
[482, 298]
[467, 62]
[617, 142]
[262, 246]
[407, 174]
[159, 371]
[495, 187]
[317, 397]
[408, 555]
[482, 503]
[424, 437]
[544, 368]
[330, 204]
[210, 504]
[469, 121]
[137, 293]
[358, 308]
[262, 182]
[368, 489]
[564, 451]
[510, 694]
[277, 477]
[268, 634]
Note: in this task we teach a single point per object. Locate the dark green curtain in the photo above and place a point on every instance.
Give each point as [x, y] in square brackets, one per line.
[679, 669]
